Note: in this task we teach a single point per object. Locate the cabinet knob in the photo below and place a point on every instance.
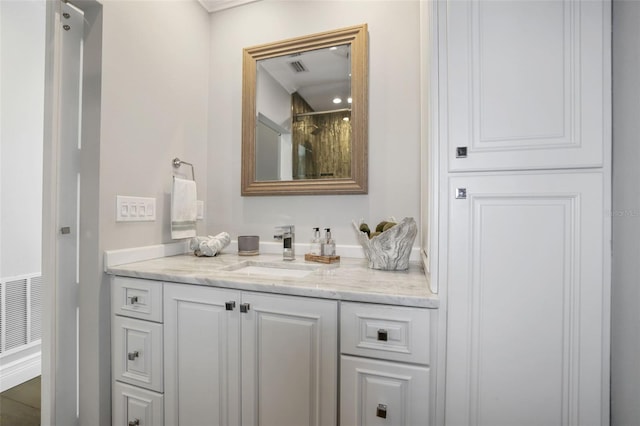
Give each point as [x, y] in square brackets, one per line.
[461, 193]
[135, 422]
[229, 306]
[244, 308]
[131, 356]
[461, 152]
[133, 300]
[383, 335]
[381, 411]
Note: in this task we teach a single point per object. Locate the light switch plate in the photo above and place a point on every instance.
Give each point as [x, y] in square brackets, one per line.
[135, 209]
[200, 210]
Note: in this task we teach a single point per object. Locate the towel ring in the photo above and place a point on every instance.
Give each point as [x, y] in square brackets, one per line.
[178, 162]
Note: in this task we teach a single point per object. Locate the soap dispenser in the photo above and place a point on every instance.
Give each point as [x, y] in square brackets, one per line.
[328, 245]
[316, 245]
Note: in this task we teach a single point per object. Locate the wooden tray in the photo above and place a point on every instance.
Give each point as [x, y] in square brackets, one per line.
[321, 259]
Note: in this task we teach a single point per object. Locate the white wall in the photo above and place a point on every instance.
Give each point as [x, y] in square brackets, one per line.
[394, 117]
[22, 54]
[272, 100]
[625, 334]
[155, 71]
[146, 68]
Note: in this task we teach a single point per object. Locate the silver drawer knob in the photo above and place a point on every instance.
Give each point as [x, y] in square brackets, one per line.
[381, 411]
[383, 335]
[135, 422]
[131, 356]
[133, 300]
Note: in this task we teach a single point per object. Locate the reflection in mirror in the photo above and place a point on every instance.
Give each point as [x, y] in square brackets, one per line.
[305, 115]
[309, 94]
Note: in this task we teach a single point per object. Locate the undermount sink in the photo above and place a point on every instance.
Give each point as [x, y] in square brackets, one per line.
[273, 269]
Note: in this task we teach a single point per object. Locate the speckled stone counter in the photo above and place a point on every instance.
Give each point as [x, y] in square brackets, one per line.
[350, 279]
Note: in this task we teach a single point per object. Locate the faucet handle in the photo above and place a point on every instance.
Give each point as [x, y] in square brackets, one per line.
[289, 229]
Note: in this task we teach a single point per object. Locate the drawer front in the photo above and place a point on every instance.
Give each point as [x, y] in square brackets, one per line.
[386, 332]
[133, 406]
[382, 393]
[136, 298]
[137, 352]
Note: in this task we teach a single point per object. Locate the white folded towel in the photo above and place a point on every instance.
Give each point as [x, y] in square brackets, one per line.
[184, 208]
[211, 245]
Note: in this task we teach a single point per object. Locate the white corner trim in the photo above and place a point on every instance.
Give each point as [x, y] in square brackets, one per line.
[139, 254]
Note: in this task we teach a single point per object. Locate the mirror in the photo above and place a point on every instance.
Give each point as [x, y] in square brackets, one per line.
[304, 115]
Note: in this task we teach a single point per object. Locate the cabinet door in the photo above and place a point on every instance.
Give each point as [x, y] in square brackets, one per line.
[382, 393]
[133, 406]
[289, 361]
[525, 338]
[524, 84]
[201, 356]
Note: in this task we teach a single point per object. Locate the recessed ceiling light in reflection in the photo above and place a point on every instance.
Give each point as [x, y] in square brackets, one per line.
[349, 99]
[337, 100]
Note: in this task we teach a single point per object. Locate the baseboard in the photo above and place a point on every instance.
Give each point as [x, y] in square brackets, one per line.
[20, 371]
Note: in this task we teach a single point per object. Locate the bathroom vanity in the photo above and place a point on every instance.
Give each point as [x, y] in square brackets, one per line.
[232, 341]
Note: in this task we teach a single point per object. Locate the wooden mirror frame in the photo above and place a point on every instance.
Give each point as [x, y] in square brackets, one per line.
[355, 36]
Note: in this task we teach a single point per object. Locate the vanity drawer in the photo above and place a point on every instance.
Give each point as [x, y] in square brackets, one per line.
[137, 352]
[135, 406]
[386, 332]
[137, 298]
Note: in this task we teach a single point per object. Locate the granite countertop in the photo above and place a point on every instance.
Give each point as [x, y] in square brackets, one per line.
[349, 280]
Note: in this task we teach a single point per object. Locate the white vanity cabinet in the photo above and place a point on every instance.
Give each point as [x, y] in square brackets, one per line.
[385, 365]
[185, 354]
[137, 352]
[235, 357]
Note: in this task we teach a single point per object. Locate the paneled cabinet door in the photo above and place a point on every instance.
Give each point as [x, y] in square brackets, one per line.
[289, 361]
[524, 84]
[525, 300]
[382, 393]
[202, 378]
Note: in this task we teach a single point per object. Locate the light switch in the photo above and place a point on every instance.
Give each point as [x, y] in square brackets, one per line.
[200, 206]
[135, 209]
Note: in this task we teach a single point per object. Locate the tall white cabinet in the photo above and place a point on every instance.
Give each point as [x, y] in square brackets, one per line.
[524, 139]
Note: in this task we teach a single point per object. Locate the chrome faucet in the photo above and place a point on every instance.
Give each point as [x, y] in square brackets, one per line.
[288, 236]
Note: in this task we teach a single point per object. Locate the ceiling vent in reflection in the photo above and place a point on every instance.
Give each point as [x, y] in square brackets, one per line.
[298, 66]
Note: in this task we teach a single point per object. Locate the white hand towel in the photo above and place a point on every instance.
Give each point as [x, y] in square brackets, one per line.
[184, 208]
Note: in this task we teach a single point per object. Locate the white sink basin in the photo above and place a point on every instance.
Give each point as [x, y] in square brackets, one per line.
[272, 269]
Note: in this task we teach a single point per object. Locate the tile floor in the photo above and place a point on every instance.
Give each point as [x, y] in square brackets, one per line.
[20, 405]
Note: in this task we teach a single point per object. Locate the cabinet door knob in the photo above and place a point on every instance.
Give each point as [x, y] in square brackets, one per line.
[381, 411]
[383, 335]
[461, 152]
[133, 300]
[131, 356]
[244, 308]
[135, 422]
[229, 306]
